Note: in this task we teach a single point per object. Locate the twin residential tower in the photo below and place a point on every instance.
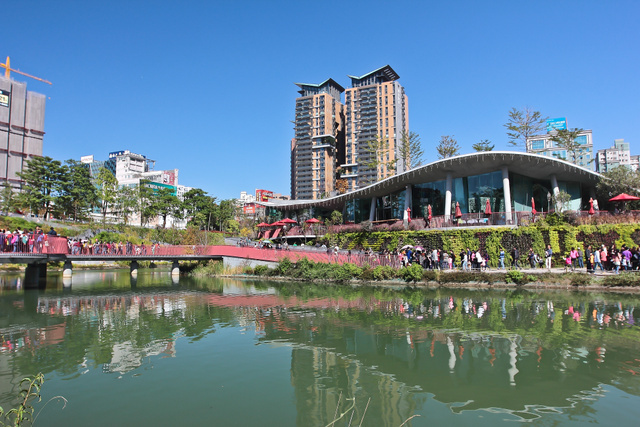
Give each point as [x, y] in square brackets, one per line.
[339, 145]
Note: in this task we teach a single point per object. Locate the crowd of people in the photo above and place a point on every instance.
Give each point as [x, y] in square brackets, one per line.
[24, 241]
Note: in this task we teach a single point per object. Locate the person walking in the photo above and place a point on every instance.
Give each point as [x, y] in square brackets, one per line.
[597, 261]
[580, 258]
[501, 259]
[515, 255]
[588, 254]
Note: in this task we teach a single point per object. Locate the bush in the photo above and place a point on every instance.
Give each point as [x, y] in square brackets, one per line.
[578, 279]
[382, 272]
[412, 273]
[261, 270]
[517, 277]
[623, 279]
[285, 266]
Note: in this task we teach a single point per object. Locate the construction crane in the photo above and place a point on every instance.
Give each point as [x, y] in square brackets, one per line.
[8, 70]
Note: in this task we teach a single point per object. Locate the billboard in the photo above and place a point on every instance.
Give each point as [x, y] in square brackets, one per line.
[86, 159]
[556, 124]
[249, 208]
[169, 177]
[155, 186]
[263, 195]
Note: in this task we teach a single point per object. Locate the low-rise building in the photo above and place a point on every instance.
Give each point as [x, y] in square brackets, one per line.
[618, 155]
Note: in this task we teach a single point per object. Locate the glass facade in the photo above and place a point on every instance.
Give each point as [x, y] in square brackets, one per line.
[430, 193]
[357, 210]
[390, 206]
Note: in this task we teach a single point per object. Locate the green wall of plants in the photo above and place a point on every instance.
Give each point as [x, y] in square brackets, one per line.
[561, 238]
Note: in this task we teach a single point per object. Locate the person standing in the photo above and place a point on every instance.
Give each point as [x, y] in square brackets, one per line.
[501, 257]
[597, 261]
[574, 258]
[588, 256]
[547, 257]
[580, 258]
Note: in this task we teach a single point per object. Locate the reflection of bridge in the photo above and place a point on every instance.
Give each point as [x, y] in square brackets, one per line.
[58, 249]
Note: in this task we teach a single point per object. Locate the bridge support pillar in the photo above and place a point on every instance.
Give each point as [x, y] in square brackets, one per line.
[35, 276]
[67, 271]
[134, 268]
[175, 269]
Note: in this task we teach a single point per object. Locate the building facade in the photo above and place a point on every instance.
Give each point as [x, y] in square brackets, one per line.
[376, 112]
[545, 146]
[618, 155]
[319, 140]
[341, 147]
[21, 129]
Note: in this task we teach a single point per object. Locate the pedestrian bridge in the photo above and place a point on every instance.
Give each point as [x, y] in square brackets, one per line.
[58, 249]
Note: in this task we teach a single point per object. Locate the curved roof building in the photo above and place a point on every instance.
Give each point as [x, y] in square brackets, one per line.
[505, 181]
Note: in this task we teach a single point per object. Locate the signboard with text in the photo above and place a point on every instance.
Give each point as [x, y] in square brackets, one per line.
[556, 124]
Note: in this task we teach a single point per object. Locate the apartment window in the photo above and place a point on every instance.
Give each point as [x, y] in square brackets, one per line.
[386, 111]
[385, 89]
[386, 100]
[386, 122]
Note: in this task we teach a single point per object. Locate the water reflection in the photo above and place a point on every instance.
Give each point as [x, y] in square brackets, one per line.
[512, 355]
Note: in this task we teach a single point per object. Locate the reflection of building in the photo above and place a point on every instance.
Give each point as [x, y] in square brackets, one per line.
[543, 145]
[618, 155]
[508, 180]
[21, 129]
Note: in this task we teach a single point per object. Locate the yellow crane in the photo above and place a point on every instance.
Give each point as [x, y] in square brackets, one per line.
[8, 70]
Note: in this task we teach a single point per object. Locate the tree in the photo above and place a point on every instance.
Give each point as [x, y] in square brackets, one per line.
[411, 152]
[524, 124]
[78, 194]
[448, 147]
[225, 211]
[566, 139]
[9, 198]
[484, 145]
[377, 155]
[144, 196]
[199, 208]
[107, 187]
[125, 202]
[619, 180]
[43, 179]
[165, 203]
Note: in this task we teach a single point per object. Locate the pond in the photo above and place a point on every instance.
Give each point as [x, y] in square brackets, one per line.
[161, 351]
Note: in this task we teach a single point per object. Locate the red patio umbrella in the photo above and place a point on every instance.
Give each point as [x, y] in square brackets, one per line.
[533, 207]
[263, 224]
[277, 224]
[313, 221]
[624, 197]
[429, 212]
[288, 221]
[591, 210]
[458, 211]
[487, 207]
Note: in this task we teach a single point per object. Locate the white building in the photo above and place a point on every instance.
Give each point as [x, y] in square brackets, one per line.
[543, 145]
[618, 155]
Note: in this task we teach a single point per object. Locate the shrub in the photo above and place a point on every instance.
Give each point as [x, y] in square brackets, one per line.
[412, 273]
[285, 267]
[623, 279]
[516, 276]
[578, 279]
[382, 272]
[261, 270]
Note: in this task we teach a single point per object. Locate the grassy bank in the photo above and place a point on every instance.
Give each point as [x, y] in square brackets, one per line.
[305, 270]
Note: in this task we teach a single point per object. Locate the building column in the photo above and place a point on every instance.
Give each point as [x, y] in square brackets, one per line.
[133, 268]
[35, 276]
[447, 197]
[506, 188]
[67, 270]
[556, 190]
[175, 268]
[372, 210]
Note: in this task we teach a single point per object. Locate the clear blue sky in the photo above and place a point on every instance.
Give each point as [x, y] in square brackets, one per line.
[208, 86]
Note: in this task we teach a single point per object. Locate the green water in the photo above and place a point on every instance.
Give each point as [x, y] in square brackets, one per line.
[157, 351]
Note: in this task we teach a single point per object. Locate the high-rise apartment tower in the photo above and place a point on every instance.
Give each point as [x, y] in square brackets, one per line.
[340, 147]
[318, 145]
[376, 112]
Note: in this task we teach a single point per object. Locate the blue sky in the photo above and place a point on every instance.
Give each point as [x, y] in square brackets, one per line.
[208, 86]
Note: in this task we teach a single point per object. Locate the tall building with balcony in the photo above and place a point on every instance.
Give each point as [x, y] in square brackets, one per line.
[318, 146]
[376, 112]
[618, 155]
[21, 129]
[544, 145]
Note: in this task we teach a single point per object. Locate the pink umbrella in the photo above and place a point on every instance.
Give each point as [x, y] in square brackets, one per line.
[591, 210]
[429, 212]
[533, 207]
[458, 211]
[487, 208]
